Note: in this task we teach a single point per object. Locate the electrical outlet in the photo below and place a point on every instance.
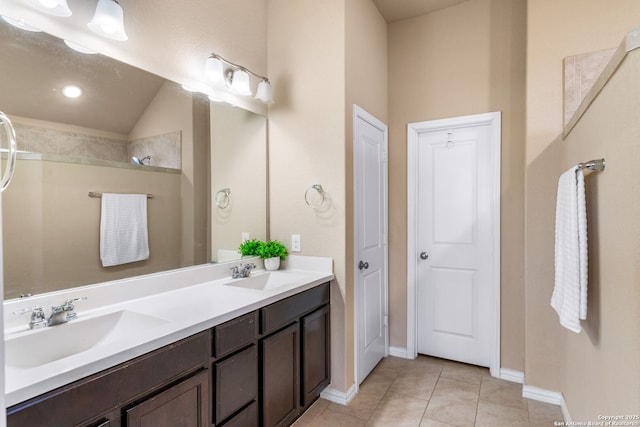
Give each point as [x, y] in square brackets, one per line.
[295, 243]
[245, 236]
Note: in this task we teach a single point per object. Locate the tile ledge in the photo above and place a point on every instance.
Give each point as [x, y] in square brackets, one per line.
[630, 42]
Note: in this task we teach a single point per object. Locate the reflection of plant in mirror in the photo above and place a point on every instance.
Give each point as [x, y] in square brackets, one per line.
[250, 247]
[273, 249]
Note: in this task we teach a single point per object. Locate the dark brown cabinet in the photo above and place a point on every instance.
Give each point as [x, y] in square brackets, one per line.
[315, 333]
[102, 399]
[183, 405]
[263, 368]
[281, 377]
[294, 352]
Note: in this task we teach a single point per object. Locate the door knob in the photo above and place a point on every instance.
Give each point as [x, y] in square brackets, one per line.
[363, 265]
[424, 255]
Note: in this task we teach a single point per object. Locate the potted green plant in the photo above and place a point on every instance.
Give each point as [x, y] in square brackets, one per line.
[250, 247]
[272, 253]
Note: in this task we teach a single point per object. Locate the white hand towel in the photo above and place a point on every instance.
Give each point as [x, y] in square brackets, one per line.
[124, 236]
[569, 297]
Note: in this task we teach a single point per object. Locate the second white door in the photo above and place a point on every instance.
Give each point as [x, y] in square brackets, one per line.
[455, 244]
[370, 224]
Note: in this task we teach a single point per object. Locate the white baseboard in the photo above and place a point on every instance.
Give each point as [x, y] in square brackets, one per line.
[512, 375]
[339, 397]
[398, 352]
[542, 395]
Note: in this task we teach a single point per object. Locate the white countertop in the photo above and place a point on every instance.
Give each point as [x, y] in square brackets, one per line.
[186, 301]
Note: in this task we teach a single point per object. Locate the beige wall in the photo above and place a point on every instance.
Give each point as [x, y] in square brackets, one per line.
[337, 58]
[462, 60]
[605, 378]
[51, 226]
[555, 30]
[306, 43]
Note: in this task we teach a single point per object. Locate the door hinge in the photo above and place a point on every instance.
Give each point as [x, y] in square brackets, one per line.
[386, 321]
[384, 157]
[384, 239]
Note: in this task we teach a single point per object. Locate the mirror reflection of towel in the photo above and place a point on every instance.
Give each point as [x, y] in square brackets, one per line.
[124, 236]
[569, 297]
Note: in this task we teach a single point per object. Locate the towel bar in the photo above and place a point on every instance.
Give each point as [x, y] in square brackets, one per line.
[594, 165]
[98, 195]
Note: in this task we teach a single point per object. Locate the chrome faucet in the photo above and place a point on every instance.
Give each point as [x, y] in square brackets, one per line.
[59, 314]
[236, 273]
[63, 313]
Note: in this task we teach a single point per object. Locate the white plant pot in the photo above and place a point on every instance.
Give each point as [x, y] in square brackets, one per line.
[272, 264]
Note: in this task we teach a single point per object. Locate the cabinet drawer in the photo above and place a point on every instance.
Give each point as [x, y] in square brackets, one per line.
[235, 334]
[184, 404]
[281, 313]
[236, 382]
[247, 418]
[75, 403]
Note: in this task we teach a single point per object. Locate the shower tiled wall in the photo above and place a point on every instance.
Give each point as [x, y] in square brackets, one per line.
[165, 149]
[52, 141]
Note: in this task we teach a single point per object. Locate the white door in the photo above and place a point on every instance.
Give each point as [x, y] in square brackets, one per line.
[455, 245]
[370, 224]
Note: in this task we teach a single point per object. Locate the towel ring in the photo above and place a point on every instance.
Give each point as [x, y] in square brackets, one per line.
[223, 198]
[320, 190]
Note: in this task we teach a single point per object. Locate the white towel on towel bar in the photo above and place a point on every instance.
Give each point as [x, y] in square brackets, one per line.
[124, 236]
[569, 297]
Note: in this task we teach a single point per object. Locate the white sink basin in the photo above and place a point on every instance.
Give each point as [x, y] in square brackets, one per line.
[52, 343]
[268, 281]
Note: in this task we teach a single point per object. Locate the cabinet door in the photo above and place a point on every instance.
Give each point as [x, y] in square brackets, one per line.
[280, 377]
[183, 405]
[236, 383]
[315, 354]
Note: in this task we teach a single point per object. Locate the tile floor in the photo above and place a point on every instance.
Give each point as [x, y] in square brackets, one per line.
[430, 392]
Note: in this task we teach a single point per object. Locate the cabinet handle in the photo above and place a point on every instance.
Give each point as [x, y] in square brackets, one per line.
[363, 265]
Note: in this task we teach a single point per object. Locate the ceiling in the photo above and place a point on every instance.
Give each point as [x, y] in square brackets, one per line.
[397, 10]
[35, 66]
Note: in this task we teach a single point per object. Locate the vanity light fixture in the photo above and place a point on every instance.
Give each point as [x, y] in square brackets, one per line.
[52, 7]
[236, 78]
[19, 23]
[108, 21]
[79, 48]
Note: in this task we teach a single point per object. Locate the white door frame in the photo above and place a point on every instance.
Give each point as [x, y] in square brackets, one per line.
[413, 132]
[364, 115]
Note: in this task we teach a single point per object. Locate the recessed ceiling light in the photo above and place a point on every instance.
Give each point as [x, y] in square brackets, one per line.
[72, 91]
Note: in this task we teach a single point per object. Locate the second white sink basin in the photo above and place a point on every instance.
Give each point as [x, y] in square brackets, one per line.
[52, 343]
[268, 281]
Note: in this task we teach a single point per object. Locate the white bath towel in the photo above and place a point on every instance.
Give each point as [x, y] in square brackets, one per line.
[124, 236]
[569, 297]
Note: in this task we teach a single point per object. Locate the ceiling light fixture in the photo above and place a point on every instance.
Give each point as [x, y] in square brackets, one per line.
[52, 7]
[108, 21]
[237, 78]
[72, 91]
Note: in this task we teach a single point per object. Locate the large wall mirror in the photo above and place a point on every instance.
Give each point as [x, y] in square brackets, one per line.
[69, 147]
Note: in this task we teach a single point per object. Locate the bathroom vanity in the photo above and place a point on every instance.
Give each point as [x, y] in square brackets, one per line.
[264, 364]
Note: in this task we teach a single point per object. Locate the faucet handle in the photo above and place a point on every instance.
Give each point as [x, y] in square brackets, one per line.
[37, 316]
[69, 302]
[36, 310]
[69, 307]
